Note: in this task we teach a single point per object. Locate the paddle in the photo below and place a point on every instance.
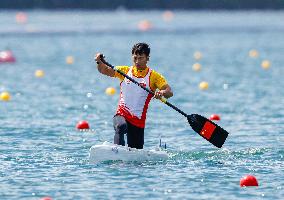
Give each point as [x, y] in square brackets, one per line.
[201, 125]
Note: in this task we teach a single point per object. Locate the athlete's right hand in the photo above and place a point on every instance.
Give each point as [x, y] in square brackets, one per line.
[98, 57]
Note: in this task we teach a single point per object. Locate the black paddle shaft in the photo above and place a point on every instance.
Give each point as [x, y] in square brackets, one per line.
[203, 126]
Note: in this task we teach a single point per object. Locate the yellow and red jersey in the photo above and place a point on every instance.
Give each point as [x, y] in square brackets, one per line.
[157, 81]
[133, 102]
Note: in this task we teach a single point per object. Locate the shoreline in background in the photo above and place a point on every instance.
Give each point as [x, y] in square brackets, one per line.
[145, 4]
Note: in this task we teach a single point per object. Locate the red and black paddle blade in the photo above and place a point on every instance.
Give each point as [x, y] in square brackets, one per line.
[208, 129]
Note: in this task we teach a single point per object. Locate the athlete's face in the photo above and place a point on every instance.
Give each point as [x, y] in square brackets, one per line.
[140, 60]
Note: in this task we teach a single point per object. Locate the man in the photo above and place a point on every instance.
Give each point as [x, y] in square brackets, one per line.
[130, 116]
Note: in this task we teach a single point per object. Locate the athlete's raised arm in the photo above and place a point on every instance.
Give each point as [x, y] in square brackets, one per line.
[102, 68]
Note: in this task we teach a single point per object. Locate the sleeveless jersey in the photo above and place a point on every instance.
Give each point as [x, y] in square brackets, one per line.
[134, 101]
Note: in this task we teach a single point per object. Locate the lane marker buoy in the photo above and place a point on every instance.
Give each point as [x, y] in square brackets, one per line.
[248, 180]
[82, 125]
[215, 117]
[110, 91]
[39, 73]
[5, 96]
[203, 85]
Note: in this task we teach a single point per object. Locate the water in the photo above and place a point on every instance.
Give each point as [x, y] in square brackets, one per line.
[42, 154]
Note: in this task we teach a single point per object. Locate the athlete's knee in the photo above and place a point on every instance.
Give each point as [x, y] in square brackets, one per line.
[120, 129]
[120, 125]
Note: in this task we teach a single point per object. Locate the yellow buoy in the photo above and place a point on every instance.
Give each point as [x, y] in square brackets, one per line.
[69, 60]
[253, 53]
[39, 73]
[110, 91]
[5, 96]
[203, 85]
[265, 64]
[196, 67]
[197, 55]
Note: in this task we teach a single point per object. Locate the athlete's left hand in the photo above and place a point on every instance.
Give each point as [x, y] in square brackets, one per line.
[159, 94]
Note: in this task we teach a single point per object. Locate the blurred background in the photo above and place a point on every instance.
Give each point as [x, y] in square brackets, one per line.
[146, 4]
[223, 60]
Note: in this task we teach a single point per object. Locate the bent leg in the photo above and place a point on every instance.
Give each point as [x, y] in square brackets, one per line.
[120, 128]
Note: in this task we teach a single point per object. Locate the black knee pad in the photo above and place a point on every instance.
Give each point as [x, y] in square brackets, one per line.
[120, 125]
[121, 129]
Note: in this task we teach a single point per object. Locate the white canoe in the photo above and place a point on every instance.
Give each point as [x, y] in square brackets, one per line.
[112, 152]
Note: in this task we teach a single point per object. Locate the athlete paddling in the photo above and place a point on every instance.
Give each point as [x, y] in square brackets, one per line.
[132, 108]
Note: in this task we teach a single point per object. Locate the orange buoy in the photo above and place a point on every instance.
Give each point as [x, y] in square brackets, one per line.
[46, 198]
[253, 53]
[7, 57]
[145, 25]
[248, 180]
[168, 15]
[69, 60]
[214, 117]
[265, 64]
[21, 18]
[197, 55]
[196, 67]
[82, 125]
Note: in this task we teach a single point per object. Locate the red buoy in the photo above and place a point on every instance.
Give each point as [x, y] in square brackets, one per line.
[46, 198]
[248, 180]
[82, 125]
[7, 57]
[214, 117]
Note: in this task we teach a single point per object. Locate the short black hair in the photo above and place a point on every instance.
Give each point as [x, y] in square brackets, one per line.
[141, 48]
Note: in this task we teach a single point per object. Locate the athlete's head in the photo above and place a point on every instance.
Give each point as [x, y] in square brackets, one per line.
[141, 48]
[140, 54]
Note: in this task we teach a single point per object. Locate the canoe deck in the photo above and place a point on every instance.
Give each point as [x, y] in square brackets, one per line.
[112, 152]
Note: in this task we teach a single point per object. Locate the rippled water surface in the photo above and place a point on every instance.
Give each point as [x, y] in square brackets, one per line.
[42, 154]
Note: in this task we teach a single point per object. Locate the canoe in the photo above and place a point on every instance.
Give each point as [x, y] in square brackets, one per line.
[112, 152]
